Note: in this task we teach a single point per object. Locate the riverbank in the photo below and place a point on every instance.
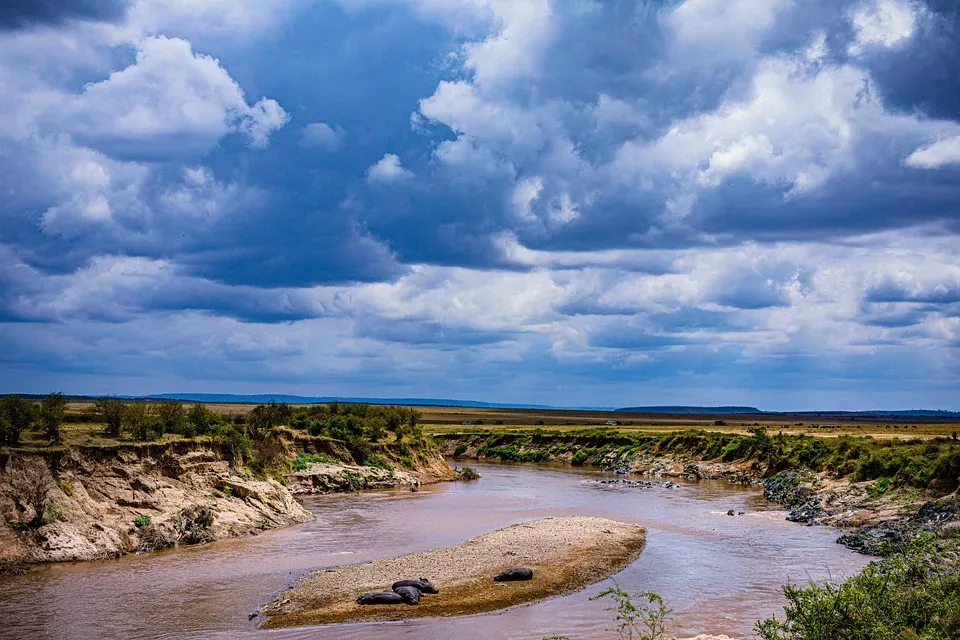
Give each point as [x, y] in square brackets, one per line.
[842, 482]
[566, 554]
[88, 503]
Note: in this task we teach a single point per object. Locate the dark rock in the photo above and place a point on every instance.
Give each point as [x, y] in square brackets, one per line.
[809, 512]
[410, 595]
[788, 488]
[381, 597]
[731, 512]
[895, 536]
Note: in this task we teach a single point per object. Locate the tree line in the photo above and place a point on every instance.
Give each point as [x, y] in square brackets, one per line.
[18, 415]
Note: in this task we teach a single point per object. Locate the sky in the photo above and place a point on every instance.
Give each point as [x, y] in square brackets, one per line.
[567, 202]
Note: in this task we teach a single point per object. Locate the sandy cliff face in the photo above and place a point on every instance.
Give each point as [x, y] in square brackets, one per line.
[107, 501]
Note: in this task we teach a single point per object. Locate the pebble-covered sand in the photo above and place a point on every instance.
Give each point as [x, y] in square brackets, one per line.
[566, 554]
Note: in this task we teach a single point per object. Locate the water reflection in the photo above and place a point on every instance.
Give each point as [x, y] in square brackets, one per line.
[719, 573]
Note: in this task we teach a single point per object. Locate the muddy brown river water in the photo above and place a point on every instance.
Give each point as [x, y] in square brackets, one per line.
[719, 573]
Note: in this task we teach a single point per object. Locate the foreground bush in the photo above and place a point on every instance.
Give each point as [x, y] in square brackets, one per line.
[911, 596]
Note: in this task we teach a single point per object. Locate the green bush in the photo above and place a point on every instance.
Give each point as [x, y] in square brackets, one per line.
[110, 411]
[303, 460]
[879, 488]
[910, 596]
[51, 412]
[141, 521]
[16, 416]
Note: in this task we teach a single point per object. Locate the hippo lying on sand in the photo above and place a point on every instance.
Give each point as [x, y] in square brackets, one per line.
[514, 575]
[410, 595]
[423, 585]
[380, 597]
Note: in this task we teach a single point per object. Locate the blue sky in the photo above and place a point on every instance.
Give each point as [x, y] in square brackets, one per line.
[568, 202]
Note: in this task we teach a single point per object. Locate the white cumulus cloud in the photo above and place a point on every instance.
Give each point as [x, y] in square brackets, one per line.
[388, 169]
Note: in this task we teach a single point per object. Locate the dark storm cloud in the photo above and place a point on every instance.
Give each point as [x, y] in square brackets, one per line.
[924, 75]
[630, 338]
[426, 332]
[16, 14]
[945, 292]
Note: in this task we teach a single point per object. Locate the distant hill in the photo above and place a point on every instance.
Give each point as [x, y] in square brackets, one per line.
[908, 413]
[696, 410]
[290, 399]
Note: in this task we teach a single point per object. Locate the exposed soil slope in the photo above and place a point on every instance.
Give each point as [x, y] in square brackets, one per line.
[108, 501]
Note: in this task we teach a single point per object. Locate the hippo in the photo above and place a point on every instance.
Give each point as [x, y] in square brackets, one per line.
[380, 597]
[514, 575]
[410, 595]
[422, 584]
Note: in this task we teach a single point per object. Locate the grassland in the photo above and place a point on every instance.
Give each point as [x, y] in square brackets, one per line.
[82, 427]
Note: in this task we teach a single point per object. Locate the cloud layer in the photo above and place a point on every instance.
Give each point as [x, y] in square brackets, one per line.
[560, 201]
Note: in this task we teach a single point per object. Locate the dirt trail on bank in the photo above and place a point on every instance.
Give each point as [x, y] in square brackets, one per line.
[566, 554]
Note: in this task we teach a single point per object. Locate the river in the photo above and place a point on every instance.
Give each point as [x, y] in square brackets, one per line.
[719, 573]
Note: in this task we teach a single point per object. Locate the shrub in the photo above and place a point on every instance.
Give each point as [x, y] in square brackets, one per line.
[140, 420]
[913, 595]
[171, 418]
[110, 411]
[16, 416]
[645, 619]
[236, 441]
[580, 457]
[267, 416]
[51, 413]
[141, 521]
[879, 488]
[303, 460]
[201, 420]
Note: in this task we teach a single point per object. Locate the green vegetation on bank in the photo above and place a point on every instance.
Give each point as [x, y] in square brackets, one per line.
[909, 596]
[252, 439]
[922, 464]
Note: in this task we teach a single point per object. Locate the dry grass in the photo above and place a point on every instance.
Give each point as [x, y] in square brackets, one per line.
[451, 419]
[566, 554]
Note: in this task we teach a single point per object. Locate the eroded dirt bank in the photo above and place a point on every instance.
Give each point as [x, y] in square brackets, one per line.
[88, 503]
[565, 554]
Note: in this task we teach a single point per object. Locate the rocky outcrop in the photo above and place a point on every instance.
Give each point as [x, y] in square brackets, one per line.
[939, 518]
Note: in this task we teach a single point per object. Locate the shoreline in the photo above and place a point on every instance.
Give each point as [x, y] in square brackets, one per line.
[809, 497]
[110, 501]
[566, 554]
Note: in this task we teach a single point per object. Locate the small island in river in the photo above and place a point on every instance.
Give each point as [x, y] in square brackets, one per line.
[565, 554]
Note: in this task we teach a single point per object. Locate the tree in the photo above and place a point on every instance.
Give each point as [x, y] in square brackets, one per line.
[51, 413]
[171, 417]
[140, 421]
[111, 411]
[413, 417]
[201, 419]
[267, 416]
[16, 416]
